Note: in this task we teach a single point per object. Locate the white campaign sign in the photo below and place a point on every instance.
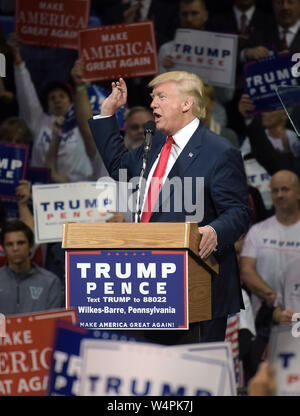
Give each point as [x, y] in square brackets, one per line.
[111, 368]
[55, 204]
[284, 353]
[212, 56]
[218, 350]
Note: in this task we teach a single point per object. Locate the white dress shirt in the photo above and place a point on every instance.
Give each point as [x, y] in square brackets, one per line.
[238, 13]
[181, 138]
[290, 32]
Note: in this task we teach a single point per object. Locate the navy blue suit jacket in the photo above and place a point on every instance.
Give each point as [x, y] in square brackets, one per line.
[226, 208]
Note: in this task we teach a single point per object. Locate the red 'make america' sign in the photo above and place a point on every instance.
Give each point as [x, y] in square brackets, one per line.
[127, 50]
[26, 351]
[51, 23]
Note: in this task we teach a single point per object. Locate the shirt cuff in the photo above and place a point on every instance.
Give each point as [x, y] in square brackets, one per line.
[100, 116]
[215, 234]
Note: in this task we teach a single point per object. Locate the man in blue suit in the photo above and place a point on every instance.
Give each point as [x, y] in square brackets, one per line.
[194, 152]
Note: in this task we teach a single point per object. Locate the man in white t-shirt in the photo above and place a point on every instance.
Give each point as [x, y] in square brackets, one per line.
[288, 297]
[271, 244]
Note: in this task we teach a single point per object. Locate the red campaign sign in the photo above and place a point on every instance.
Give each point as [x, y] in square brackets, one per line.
[50, 23]
[127, 50]
[26, 351]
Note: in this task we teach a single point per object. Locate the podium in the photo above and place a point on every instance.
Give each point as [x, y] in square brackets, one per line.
[162, 237]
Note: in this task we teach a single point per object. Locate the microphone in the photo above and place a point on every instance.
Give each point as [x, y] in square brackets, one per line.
[149, 131]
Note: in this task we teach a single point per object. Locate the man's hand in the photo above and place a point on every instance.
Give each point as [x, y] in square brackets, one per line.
[246, 105]
[116, 217]
[264, 381]
[251, 54]
[168, 61]
[77, 73]
[14, 43]
[57, 125]
[283, 316]
[116, 99]
[131, 14]
[23, 191]
[208, 241]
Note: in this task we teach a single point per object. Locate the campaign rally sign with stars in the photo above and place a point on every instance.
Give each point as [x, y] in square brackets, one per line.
[128, 289]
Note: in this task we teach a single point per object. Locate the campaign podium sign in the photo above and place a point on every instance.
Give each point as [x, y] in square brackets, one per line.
[126, 289]
[51, 24]
[151, 255]
[25, 351]
[126, 50]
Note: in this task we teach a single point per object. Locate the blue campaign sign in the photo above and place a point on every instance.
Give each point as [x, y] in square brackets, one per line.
[96, 95]
[263, 77]
[34, 176]
[64, 369]
[128, 289]
[13, 161]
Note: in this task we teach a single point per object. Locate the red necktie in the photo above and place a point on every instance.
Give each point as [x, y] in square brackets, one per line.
[156, 180]
[284, 44]
[243, 24]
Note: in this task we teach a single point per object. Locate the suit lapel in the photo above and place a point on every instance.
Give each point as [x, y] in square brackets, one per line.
[188, 154]
[295, 44]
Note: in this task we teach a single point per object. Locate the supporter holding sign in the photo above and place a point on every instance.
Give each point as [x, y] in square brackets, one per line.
[65, 148]
[262, 78]
[275, 151]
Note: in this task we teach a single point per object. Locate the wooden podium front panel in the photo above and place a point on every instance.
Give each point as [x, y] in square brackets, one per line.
[199, 292]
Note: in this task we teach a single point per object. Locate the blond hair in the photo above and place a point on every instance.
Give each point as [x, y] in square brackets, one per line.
[13, 126]
[189, 85]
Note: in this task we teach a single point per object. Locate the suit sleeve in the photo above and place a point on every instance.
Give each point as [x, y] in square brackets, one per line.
[110, 144]
[229, 191]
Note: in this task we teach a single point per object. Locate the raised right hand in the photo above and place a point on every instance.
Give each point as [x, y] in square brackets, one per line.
[258, 52]
[263, 383]
[246, 105]
[14, 43]
[23, 191]
[168, 61]
[116, 99]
